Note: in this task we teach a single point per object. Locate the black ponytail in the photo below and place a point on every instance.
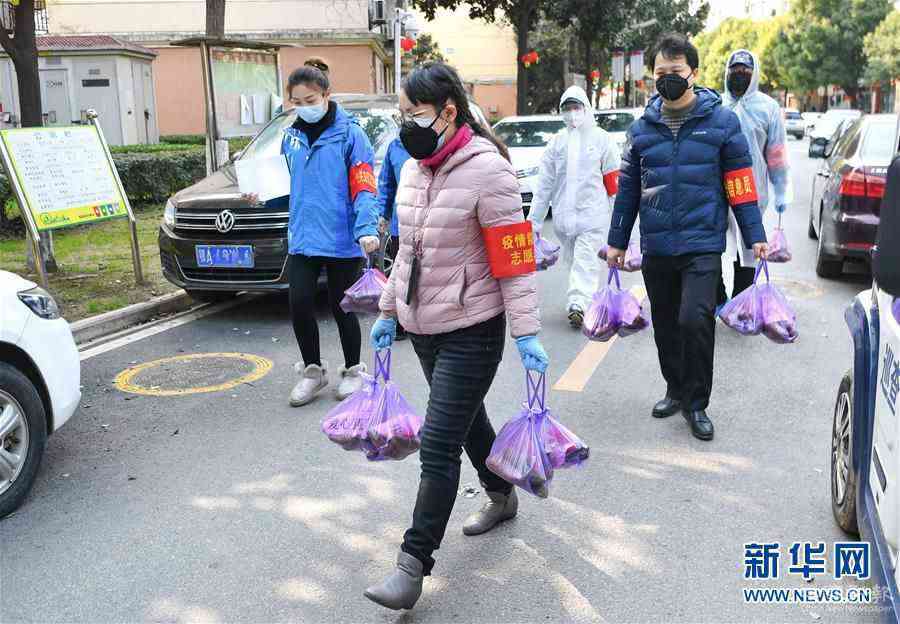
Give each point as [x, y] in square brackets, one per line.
[437, 83]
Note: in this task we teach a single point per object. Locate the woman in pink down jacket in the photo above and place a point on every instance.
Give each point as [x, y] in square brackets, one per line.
[454, 193]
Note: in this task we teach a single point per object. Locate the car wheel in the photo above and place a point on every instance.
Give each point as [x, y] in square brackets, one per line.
[843, 479]
[827, 266]
[23, 434]
[210, 296]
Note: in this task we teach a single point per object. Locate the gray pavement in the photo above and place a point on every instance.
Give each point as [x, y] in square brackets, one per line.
[232, 507]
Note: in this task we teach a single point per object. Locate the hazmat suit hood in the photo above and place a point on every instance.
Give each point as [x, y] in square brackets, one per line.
[762, 123]
[729, 99]
[577, 93]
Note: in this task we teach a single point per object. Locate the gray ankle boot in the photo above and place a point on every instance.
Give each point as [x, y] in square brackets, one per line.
[499, 508]
[402, 588]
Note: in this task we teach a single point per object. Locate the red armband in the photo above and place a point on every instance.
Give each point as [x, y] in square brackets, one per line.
[740, 187]
[611, 182]
[362, 178]
[510, 249]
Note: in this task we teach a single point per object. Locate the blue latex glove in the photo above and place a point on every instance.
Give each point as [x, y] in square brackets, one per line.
[383, 332]
[534, 358]
[780, 208]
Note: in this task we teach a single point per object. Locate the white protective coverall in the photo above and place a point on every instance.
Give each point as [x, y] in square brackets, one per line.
[762, 123]
[579, 176]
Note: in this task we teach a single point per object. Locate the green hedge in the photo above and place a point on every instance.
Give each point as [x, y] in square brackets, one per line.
[153, 178]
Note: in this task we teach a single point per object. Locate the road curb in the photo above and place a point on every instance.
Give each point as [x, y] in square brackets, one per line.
[107, 323]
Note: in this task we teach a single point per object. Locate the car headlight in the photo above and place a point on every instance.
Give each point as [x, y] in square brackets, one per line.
[527, 173]
[40, 302]
[169, 214]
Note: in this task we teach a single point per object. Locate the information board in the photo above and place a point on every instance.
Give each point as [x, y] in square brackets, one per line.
[65, 175]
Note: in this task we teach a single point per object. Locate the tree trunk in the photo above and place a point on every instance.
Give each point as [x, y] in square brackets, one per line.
[215, 18]
[523, 24]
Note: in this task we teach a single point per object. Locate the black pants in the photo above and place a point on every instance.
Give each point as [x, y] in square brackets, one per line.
[460, 367]
[304, 274]
[743, 279]
[682, 291]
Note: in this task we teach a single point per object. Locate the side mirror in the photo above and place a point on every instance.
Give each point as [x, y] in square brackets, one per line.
[886, 264]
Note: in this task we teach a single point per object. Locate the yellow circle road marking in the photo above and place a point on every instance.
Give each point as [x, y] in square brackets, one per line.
[261, 368]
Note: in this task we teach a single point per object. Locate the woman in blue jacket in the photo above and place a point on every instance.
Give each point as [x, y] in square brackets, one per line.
[388, 180]
[333, 224]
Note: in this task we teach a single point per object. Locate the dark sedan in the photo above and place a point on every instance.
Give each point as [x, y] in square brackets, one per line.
[847, 192]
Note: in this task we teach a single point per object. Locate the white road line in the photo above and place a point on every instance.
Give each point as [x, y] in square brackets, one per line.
[157, 327]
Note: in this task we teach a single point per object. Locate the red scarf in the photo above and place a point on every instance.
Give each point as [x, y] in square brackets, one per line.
[460, 139]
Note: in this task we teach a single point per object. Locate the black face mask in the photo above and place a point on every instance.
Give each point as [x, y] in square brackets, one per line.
[738, 83]
[420, 142]
[671, 86]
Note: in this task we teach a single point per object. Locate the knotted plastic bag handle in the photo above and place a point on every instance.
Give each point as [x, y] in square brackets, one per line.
[762, 266]
[383, 365]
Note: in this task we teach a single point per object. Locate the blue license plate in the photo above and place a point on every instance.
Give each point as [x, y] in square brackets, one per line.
[225, 256]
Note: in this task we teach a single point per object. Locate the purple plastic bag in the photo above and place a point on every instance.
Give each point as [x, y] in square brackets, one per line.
[761, 309]
[518, 455]
[613, 311]
[633, 257]
[376, 419]
[546, 254]
[778, 247]
[363, 297]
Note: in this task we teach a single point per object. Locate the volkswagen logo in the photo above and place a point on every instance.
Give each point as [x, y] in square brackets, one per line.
[225, 221]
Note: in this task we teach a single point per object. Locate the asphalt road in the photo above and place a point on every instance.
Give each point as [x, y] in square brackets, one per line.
[230, 506]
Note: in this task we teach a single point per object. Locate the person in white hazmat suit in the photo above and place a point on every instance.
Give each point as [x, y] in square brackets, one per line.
[579, 176]
[763, 126]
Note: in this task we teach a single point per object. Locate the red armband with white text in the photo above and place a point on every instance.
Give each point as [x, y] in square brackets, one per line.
[740, 187]
[362, 178]
[611, 182]
[510, 249]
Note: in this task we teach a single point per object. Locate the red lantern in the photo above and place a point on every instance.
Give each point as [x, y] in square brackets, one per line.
[407, 44]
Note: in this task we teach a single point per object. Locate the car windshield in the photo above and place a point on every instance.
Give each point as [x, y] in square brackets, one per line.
[615, 122]
[878, 145]
[378, 125]
[527, 133]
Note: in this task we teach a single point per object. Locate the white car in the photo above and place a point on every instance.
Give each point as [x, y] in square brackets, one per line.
[617, 121]
[40, 382]
[526, 138]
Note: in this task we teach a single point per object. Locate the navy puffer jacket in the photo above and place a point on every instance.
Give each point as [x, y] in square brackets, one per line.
[683, 187]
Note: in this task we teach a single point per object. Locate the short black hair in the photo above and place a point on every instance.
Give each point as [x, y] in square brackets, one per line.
[673, 45]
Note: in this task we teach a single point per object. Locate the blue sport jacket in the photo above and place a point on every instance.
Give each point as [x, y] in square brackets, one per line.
[332, 202]
[682, 187]
[387, 182]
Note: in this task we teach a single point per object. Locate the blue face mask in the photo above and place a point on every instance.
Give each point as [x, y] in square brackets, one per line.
[312, 114]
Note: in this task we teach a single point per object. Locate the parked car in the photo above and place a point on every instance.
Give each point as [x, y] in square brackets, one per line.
[617, 121]
[213, 214]
[40, 383]
[810, 119]
[827, 126]
[865, 438]
[847, 191]
[526, 138]
[794, 124]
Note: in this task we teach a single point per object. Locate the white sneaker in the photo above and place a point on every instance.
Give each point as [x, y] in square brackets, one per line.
[350, 381]
[314, 378]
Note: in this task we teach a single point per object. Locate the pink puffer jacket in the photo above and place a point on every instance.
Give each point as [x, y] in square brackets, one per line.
[475, 188]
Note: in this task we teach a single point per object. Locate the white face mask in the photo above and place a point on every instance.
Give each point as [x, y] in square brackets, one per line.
[574, 118]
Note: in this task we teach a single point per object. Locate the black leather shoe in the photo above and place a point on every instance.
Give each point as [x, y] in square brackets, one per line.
[666, 408]
[701, 425]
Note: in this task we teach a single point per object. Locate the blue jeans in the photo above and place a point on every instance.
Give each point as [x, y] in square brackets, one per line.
[460, 367]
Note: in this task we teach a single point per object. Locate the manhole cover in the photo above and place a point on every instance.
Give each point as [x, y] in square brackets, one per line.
[193, 374]
[796, 289]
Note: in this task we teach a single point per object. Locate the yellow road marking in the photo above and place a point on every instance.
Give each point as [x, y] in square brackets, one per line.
[591, 356]
[123, 380]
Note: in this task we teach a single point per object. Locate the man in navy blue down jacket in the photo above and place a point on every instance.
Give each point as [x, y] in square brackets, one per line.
[686, 161]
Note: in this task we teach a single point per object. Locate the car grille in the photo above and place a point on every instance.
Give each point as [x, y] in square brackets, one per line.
[247, 221]
[232, 275]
